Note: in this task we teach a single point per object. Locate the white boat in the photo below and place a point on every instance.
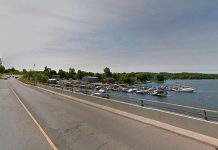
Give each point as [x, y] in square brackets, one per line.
[102, 90]
[102, 93]
[150, 90]
[185, 89]
[98, 87]
[139, 91]
[130, 90]
[146, 91]
[108, 88]
[159, 92]
[124, 89]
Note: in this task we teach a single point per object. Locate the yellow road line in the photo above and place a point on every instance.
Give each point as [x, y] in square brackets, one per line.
[34, 120]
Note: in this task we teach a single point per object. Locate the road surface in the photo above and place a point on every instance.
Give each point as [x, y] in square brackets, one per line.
[75, 126]
[17, 131]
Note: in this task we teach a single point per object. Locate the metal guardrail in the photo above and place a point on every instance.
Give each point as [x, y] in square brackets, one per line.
[207, 114]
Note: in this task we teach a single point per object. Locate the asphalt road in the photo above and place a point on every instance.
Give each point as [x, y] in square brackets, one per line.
[17, 131]
[75, 126]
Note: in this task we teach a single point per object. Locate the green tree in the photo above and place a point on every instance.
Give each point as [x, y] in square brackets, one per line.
[72, 73]
[80, 74]
[13, 69]
[52, 73]
[159, 78]
[24, 71]
[141, 77]
[2, 69]
[100, 76]
[107, 72]
[63, 74]
[42, 77]
[46, 69]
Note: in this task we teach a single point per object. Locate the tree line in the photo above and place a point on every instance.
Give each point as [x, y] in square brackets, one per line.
[129, 78]
[9, 70]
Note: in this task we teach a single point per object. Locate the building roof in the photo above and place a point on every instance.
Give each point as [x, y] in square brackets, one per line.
[52, 79]
[90, 77]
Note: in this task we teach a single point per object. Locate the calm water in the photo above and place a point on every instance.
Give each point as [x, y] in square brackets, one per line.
[206, 95]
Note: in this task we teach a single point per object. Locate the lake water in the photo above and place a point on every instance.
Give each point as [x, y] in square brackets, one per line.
[205, 96]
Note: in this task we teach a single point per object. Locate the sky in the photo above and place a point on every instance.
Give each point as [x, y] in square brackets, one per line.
[125, 35]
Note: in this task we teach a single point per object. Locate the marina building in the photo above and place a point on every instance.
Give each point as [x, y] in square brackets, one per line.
[90, 79]
[108, 81]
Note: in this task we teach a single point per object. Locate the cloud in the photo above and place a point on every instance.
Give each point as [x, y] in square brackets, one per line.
[140, 35]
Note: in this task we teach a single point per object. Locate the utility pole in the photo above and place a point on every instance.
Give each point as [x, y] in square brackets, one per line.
[34, 67]
[0, 61]
[34, 74]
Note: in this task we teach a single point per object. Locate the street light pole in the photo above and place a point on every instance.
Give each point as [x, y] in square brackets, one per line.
[34, 67]
[34, 74]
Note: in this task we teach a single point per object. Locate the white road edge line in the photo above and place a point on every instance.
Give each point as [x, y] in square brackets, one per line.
[210, 141]
[34, 120]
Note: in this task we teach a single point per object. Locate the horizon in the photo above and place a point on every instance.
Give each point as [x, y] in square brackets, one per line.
[125, 35]
[76, 70]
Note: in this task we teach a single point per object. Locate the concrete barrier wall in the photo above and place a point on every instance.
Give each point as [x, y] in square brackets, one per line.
[192, 124]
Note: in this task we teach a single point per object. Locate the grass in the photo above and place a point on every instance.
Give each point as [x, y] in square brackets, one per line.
[27, 81]
[0, 76]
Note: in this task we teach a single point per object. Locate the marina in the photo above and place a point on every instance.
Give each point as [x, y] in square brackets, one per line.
[160, 96]
[204, 96]
[109, 75]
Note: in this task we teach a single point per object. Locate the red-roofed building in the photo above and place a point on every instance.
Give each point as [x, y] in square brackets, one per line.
[108, 81]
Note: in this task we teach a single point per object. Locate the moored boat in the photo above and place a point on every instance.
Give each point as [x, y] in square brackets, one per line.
[140, 91]
[159, 92]
[185, 89]
[102, 93]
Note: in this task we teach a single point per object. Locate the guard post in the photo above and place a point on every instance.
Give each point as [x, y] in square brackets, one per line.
[205, 115]
[142, 103]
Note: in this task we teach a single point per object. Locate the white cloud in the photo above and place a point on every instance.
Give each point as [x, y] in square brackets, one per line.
[123, 34]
